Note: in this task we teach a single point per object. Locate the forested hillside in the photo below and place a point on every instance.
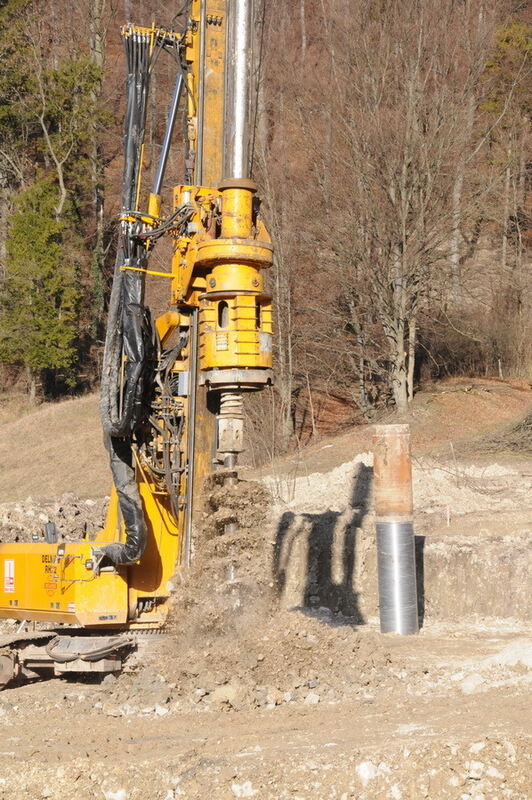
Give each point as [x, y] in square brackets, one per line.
[392, 148]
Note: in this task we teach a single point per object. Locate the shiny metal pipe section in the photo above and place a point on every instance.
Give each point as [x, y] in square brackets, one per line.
[396, 561]
[397, 577]
[165, 147]
[237, 90]
[198, 169]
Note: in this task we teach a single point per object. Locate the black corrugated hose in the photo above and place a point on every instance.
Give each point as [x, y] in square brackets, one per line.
[127, 337]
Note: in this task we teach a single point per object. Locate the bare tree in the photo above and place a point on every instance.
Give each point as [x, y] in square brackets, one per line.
[396, 96]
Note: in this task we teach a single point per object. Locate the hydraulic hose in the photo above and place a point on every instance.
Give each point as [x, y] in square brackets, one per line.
[124, 361]
[124, 353]
[120, 457]
[124, 403]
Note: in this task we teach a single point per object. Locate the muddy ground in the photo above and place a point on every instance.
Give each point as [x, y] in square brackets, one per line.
[273, 681]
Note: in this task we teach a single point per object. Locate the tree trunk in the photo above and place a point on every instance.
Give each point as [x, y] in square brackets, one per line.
[303, 31]
[456, 235]
[275, 214]
[96, 53]
[456, 210]
[4, 216]
[285, 362]
[411, 356]
[311, 408]
[400, 385]
[399, 378]
[505, 213]
[32, 385]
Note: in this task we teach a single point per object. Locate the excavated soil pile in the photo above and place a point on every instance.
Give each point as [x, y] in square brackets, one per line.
[229, 588]
[229, 572]
[74, 518]
[229, 644]
[266, 661]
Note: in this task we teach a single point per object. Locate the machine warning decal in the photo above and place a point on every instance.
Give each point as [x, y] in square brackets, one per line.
[9, 575]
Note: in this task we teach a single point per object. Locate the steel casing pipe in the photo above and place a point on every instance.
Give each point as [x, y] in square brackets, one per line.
[396, 561]
[237, 90]
[397, 577]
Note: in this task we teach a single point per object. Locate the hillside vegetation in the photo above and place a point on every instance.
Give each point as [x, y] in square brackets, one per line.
[392, 149]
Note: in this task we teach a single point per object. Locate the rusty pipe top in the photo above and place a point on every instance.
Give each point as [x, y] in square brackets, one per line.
[392, 471]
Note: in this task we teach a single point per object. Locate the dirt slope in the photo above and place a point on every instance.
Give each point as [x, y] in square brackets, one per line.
[58, 448]
[55, 449]
[455, 412]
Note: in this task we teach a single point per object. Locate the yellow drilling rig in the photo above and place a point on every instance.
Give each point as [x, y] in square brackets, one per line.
[171, 390]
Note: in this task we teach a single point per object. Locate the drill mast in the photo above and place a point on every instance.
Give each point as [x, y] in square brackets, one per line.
[171, 402]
